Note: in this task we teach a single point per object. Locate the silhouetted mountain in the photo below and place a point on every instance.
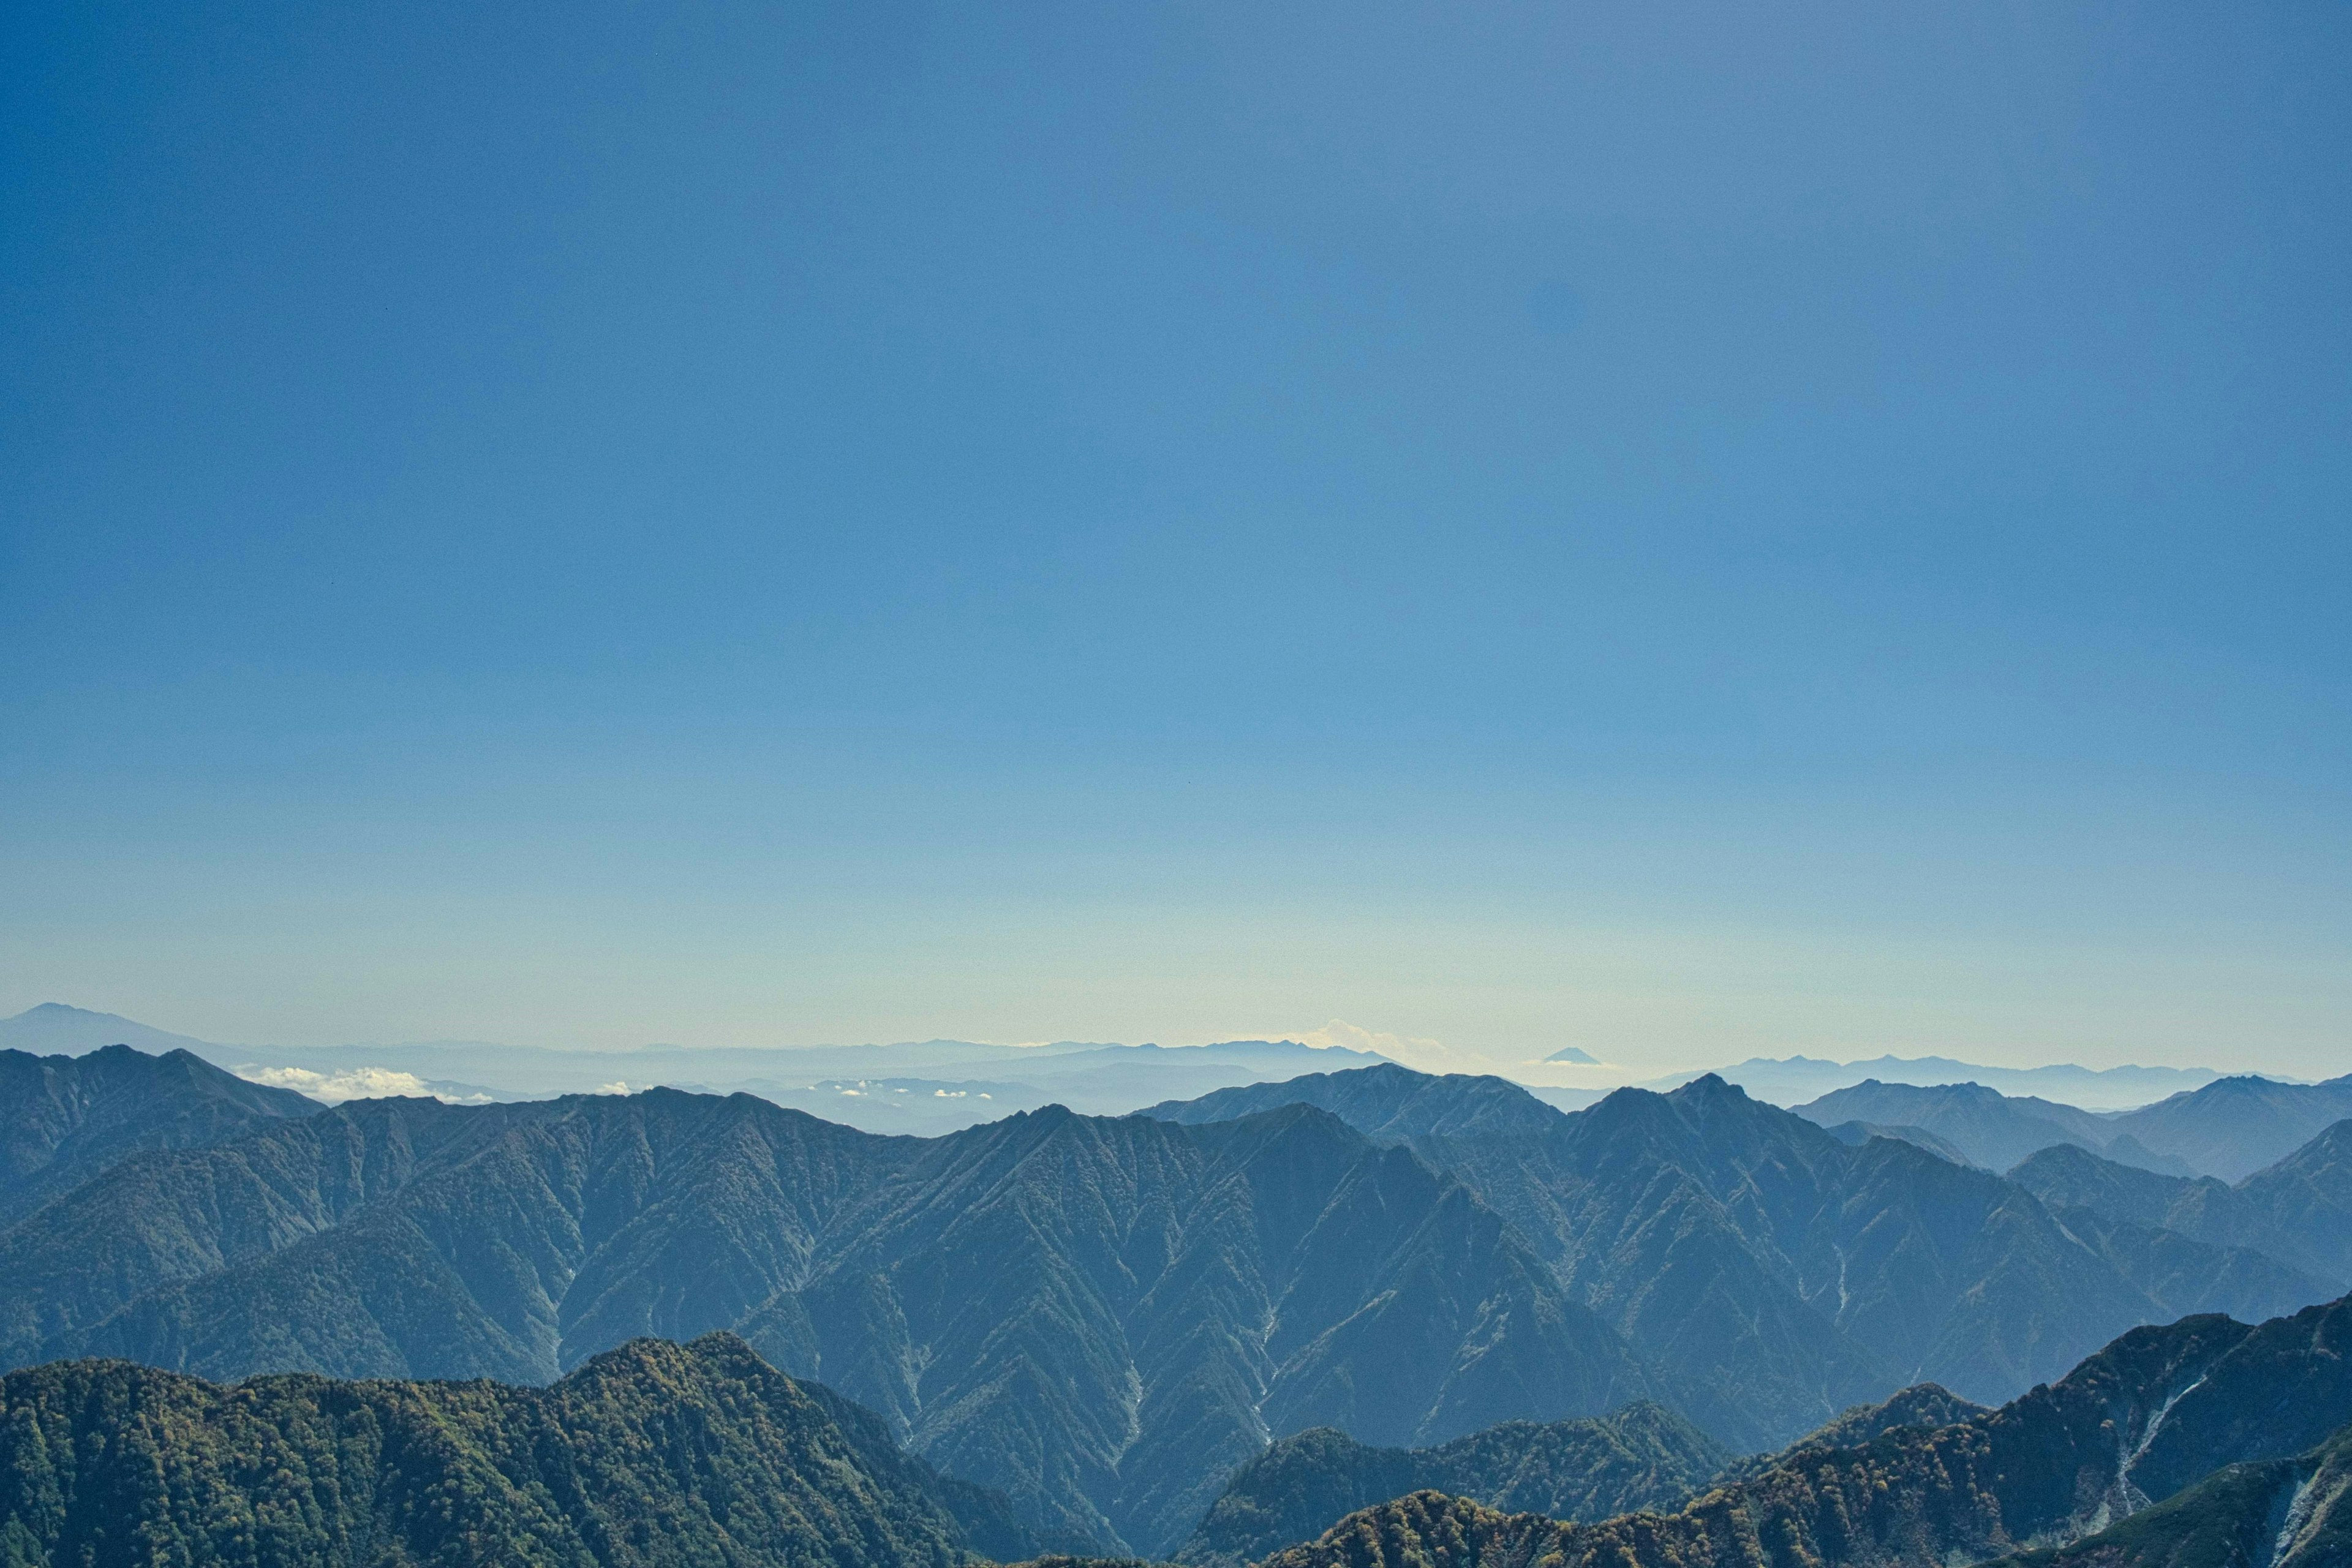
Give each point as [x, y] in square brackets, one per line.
[64, 1120]
[1103, 1317]
[2148, 1417]
[2299, 1211]
[2279, 1513]
[53, 1030]
[1777, 1273]
[1992, 1130]
[650, 1454]
[1644, 1457]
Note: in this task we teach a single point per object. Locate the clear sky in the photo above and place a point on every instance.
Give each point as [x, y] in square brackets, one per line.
[1683, 530]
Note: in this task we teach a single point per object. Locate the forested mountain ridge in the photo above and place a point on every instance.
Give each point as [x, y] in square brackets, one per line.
[1642, 1457]
[64, 1120]
[651, 1454]
[1106, 1316]
[2146, 1418]
[1102, 1316]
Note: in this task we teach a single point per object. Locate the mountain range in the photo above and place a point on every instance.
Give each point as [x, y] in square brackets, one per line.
[2230, 1129]
[2200, 1442]
[1791, 1080]
[1104, 1318]
[2069, 1468]
[925, 1088]
[1783, 1273]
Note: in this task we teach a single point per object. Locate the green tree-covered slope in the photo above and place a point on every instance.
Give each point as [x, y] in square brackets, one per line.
[2144, 1420]
[651, 1454]
[1642, 1457]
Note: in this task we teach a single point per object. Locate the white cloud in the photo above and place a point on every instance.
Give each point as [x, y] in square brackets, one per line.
[352, 1083]
[1423, 1054]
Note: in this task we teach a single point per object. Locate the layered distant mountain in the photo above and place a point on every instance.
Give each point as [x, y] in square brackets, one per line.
[1106, 1318]
[1792, 1080]
[1644, 1457]
[924, 1088]
[1784, 1274]
[2146, 1420]
[2299, 1210]
[64, 1120]
[650, 1454]
[1992, 1130]
[2230, 1129]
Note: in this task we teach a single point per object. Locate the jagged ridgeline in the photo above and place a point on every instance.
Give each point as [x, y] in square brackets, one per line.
[652, 1454]
[2070, 1470]
[1106, 1317]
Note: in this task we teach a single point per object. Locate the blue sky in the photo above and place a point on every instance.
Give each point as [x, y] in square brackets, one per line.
[1683, 530]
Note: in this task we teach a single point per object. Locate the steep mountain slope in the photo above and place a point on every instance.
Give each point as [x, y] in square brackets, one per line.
[653, 1453]
[1102, 1316]
[1782, 1274]
[1994, 1130]
[1644, 1457]
[2148, 1417]
[2281, 1513]
[2235, 1126]
[2308, 1196]
[2299, 1211]
[64, 1120]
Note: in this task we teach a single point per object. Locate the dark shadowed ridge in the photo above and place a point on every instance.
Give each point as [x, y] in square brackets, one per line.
[2281, 1513]
[2145, 1419]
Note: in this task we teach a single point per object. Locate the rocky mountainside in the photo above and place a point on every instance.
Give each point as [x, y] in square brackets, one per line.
[64, 1120]
[1103, 1317]
[1644, 1457]
[651, 1454]
[2145, 1420]
[1783, 1273]
[2278, 1514]
[1106, 1317]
